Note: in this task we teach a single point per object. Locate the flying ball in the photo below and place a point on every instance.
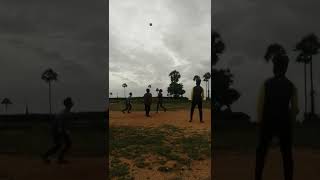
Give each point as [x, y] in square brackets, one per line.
[150, 24]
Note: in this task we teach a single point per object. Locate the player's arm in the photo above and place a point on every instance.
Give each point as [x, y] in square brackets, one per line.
[260, 103]
[192, 94]
[202, 94]
[294, 104]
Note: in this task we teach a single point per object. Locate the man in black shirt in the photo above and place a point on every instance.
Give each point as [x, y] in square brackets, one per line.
[61, 135]
[160, 101]
[147, 102]
[277, 109]
[128, 104]
[196, 99]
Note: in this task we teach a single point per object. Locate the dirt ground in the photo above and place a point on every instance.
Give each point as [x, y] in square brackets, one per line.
[179, 119]
[200, 170]
[230, 165]
[27, 168]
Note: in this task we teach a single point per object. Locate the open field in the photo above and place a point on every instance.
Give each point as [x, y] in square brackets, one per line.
[165, 146]
[234, 153]
[19, 167]
[23, 143]
[170, 104]
[231, 164]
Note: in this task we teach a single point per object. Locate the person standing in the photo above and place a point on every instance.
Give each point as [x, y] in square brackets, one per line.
[61, 134]
[197, 96]
[160, 101]
[128, 104]
[147, 102]
[277, 109]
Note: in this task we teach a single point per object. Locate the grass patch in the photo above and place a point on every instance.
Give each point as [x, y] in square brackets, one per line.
[119, 170]
[168, 143]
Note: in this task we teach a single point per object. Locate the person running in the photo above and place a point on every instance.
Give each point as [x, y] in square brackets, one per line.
[61, 135]
[277, 108]
[128, 104]
[159, 103]
[147, 102]
[196, 99]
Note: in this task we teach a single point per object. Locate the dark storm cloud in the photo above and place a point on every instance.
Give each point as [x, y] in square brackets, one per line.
[178, 40]
[68, 36]
[249, 26]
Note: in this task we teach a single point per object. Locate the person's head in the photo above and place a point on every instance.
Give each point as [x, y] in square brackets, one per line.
[280, 66]
[160, 90]
[148, 90]
[130, 94]
[198, 82]
[68, 103]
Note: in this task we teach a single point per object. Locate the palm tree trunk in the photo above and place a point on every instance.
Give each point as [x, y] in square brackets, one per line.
[305, 91]
[124, 92]
[50, 98]
[312, 90]
[208, 89]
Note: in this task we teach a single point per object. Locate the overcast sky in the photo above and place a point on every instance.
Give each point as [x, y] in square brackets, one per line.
[248, 27]
[68, 36]
[141, 54]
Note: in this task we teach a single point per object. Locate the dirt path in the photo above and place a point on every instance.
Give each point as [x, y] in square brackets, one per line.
[230, 165]
[179, 119]
[27, 168]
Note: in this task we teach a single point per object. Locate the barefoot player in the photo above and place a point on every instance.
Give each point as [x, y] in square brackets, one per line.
[147, 102]
[196, 99]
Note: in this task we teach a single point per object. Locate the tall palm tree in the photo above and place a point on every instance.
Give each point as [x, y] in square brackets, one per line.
[6, 102]
[307, 48]
[274, 52]
[217, 46]
[49, 76]
[305, 60]
[149, 86]
[206, 77]
[124, 85]
[196, 77]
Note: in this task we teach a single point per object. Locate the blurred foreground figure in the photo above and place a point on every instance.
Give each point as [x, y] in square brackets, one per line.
[196, 99]
[277, 109]
[61, 135]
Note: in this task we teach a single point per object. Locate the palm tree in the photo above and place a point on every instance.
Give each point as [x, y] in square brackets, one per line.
[110, 94]
[196, 77]
[305, 60]
[157, 89]
[49, 76]
[307, 48]
[217, 46]
[6, 102]
[124, 85]
[206, 77]
[149, 86]
[274, 52]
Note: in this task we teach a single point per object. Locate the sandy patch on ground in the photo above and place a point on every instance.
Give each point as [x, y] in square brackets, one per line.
[230, 165]
[28, 168]
[179, 119]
